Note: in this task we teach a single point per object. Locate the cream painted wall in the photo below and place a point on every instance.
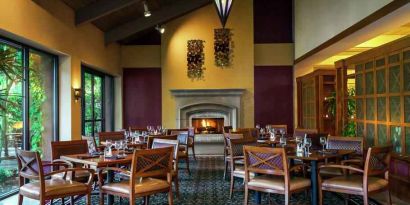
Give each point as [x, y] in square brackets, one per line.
[199, 25]
[316, 21]
[141, 56]
[274, 54]
[23, 20]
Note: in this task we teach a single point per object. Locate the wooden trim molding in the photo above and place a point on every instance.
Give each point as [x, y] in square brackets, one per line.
[394, 5]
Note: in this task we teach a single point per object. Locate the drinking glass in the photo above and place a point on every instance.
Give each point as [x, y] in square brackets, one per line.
[299, 142]
[323, 142]
[108, 150]
[308, 144]
[258, 126]
[282, 141]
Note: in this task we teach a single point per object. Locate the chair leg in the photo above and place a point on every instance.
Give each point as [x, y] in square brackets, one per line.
[187, 165]
[101, 198]
[365, 199]
[287, 197]
[88, 199]
[226, 169]
[232, 186]
[72, 200]
[146, 200]
[320, 196]
[193, 151]
[389, 197]
[170, 199]
[347, 197]
[245, 202]
[20, 200]
[176, 184]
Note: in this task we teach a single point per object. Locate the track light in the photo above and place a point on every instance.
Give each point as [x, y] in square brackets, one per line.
[160, 29]
[147, 13]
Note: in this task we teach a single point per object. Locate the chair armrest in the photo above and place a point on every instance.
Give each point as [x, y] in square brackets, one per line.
[90, 178]
[340, 167]
[297, 167]
[59, 162]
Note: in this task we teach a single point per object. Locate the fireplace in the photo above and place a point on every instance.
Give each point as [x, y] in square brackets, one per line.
[208, 125]
[219, 106]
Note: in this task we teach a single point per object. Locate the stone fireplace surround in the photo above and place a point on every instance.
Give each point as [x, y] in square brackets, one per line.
[208, 103]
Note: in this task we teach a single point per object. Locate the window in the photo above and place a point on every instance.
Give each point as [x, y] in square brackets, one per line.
[28, 107]
[97, 102]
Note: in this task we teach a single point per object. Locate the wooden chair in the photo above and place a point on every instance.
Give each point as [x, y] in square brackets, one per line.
[191, 140]
[114, 136]
[302, 132]
[227, 156]
[278, 128]
[61, 148]
[183, 139]
[151, 139]
[246, 132]
[92, 144]
[146, 164]
[160, 143]
[373, 178]
[31, 167]
[226, 129]
[235, 147]
[273, 174]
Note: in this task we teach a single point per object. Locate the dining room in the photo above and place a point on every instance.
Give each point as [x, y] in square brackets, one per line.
[115, 102]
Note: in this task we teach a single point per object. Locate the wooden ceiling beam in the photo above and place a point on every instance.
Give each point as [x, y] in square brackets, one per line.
[158, 17]
[99, 9]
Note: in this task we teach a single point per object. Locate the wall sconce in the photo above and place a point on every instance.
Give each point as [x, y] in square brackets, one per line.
[77, 94]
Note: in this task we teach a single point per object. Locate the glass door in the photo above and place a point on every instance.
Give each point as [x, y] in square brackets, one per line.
[93, 120]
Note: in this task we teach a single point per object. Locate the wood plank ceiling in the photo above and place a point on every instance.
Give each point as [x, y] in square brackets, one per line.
[123, 21]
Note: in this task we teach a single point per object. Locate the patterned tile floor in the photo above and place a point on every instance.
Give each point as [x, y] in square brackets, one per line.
[205, 186]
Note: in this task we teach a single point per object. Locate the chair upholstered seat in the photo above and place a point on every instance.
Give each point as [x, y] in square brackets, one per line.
[331, 171]
[354, 183]
[145, 185]
[53, 187]
[278, 183]
[240, 172]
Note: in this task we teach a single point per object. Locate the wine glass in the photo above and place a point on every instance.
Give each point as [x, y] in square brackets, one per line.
[308, 144]
[299, 142]
[108, 150]
[323, 142]
[258, 126]
[282, 141]
[117, 145]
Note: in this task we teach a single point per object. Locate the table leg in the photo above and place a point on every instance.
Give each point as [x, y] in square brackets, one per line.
[313, 180]
[110, 178]
[258, 197]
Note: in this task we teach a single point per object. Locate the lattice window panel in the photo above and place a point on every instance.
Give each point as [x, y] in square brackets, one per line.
[370, 109]
[369, 83]
[395, 109]
[381, 81]
[407, 135]
[382, 134]
[395, 136]
[381, 109]
[360, 129]
[359, 108]
[370, 134]
[406, 76]
[359, 84]
[394, 79]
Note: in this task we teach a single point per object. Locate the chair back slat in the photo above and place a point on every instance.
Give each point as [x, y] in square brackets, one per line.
[348, 143]
[266, 160]
[301, 132]
[161, 143]
[279, 128]
[226, 129]
[91, 143]
[246, 132]
[378, 160]
[235, 146]
[152, 162]
[151, 139]
[68, 147]
[29, 165]
[114, 136]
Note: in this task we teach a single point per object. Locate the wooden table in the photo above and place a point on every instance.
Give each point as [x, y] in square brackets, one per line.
[314, 158]
[99, 162]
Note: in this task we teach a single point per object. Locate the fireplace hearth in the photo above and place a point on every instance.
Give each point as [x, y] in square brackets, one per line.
[208, 125]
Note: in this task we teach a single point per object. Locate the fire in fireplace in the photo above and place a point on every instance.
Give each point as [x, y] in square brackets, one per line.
[208, 125]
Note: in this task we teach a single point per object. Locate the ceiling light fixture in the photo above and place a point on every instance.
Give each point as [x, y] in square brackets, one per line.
[160, 29]
[147, 13]
[224, 8]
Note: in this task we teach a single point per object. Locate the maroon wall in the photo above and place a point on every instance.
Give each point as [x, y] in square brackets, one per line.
[274, 95]
[142, 97]
[273, 21]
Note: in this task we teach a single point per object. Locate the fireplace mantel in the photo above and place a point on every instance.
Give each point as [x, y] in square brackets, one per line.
[207, 92]
[208, 102]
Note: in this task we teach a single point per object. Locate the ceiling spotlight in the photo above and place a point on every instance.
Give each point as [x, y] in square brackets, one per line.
[160, 29]
[147, 13]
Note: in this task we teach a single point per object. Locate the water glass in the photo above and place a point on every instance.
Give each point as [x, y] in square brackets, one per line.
[282, 141]
[308, 144]
[323, 142]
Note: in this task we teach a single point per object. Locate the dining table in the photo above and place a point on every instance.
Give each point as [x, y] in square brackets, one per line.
[98, 162]
[313, 158]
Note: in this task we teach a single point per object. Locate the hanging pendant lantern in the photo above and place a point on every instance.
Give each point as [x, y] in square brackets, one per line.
[224, 8]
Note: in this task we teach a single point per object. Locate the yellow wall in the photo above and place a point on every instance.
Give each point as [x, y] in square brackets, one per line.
[199, 25]
[141, 56]
[24, 20]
